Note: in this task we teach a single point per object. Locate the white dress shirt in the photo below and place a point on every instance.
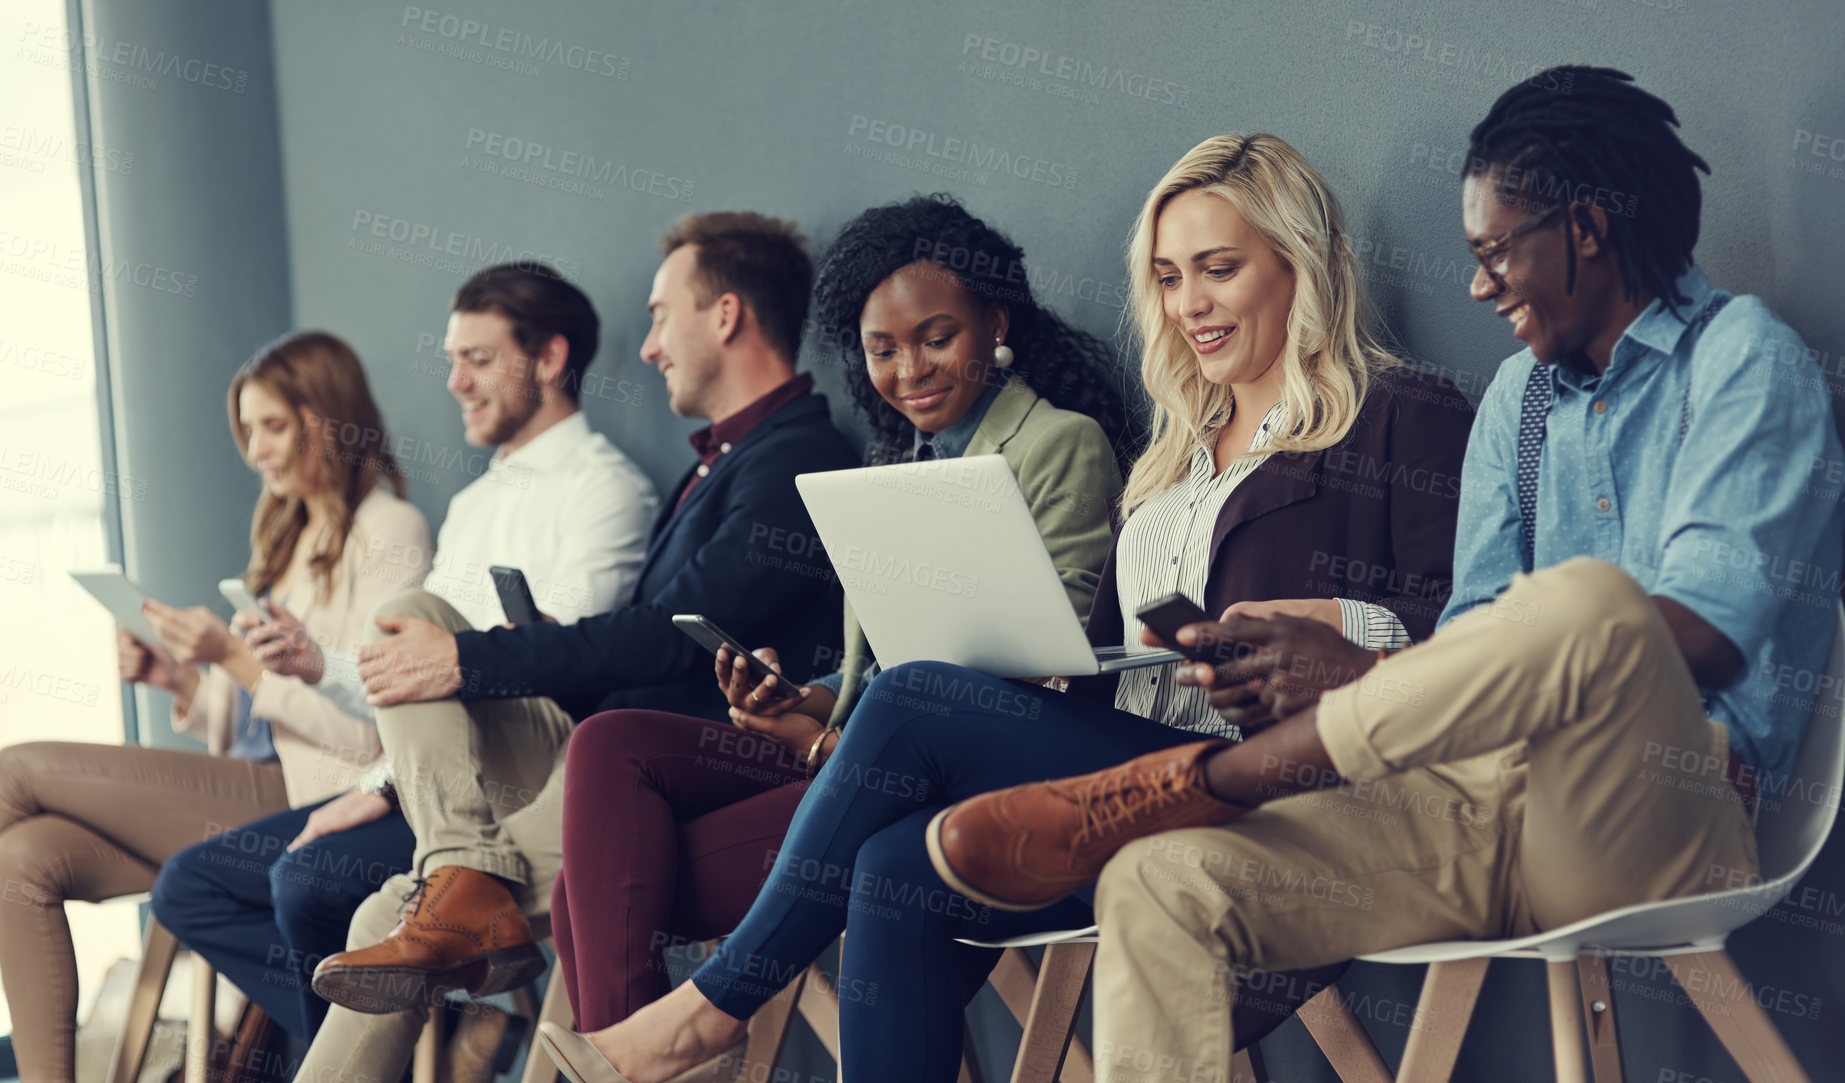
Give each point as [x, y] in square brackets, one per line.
[1166, 546]
[568, 509]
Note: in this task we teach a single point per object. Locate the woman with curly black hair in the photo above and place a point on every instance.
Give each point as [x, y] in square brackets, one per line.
[945, 347]
[1075, 370]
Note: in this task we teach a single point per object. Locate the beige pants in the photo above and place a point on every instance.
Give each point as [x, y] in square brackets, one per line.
[482, 785]
[1540, 760]
[88, 822]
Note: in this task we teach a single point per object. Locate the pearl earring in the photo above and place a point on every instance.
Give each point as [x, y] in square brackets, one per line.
[1002, 356]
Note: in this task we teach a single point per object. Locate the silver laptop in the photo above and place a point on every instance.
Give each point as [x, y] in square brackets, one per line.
[943, 562]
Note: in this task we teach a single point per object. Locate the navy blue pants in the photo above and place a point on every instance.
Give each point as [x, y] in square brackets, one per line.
[923, 736]
[264, 918]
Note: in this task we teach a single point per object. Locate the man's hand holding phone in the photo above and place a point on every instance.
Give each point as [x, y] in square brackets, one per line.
[1282, 665]
[1260, 661]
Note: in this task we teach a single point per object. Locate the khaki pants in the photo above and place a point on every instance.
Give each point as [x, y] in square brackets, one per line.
[88, 822]
[1542, 759]
[482, 785]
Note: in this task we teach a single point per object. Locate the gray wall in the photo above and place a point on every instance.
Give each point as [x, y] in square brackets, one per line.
[195, 278]
[384, 126]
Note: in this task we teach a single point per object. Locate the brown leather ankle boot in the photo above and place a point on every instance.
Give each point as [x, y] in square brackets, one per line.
[1026, 847]
[463, 930]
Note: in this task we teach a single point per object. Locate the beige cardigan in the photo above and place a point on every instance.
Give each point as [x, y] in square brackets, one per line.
[322, 747]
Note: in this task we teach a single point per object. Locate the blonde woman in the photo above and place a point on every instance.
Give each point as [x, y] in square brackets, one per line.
[1294, 467]
[92, 822]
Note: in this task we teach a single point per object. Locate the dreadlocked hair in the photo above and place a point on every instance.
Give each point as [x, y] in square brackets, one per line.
[1581, 136]
[1074, 370]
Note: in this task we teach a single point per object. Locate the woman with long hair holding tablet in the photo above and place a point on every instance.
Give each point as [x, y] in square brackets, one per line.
[331, 537]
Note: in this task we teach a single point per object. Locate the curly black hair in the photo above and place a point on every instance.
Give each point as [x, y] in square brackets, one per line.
[1578, 135]
[1073, 369]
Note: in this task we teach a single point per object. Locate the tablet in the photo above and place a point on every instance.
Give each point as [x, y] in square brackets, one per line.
[118, 594]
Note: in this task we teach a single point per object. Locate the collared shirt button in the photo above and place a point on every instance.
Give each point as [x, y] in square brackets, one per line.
[723, 449]
[1601, 406]
[1601, 503]
[703, 470]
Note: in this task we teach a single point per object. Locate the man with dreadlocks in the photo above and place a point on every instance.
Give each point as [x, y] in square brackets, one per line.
[1640, 561]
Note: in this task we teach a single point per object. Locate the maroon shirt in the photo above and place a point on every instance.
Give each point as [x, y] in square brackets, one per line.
[712, 442]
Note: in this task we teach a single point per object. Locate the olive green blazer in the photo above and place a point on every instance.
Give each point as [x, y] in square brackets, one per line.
[1066, 469]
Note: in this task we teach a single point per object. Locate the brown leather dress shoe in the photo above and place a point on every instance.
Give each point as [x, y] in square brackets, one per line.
[1026, 847]
[463, 931]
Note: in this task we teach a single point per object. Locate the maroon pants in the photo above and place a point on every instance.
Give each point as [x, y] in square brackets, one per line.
[671, 825]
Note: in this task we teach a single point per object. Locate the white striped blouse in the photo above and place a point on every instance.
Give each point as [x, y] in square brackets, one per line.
[1166, 546]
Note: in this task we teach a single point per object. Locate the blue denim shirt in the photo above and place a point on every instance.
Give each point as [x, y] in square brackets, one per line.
[951, 442]
[1740, 522]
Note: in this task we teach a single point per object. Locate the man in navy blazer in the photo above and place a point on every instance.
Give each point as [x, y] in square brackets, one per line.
[471, 720]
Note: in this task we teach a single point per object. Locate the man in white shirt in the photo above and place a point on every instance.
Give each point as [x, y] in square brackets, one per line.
[557, 501]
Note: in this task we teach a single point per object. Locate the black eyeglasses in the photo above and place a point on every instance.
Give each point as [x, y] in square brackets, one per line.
[1492, 254]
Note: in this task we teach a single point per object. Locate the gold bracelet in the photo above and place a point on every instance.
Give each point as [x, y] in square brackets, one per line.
[813, 752]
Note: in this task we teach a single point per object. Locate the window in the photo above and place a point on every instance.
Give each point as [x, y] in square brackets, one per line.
[57, 653]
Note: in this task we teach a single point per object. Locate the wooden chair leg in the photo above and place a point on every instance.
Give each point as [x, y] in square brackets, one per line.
[1342, 1039]
[1015, 979]
[426, 1061]
[524, 1002]
[1714, 984]
[1052, 1016]
[970, 1070]
[1449, 993]
[1566, 1041]
[201, 1024]
[555, 1008]
[819, 1005]
[769, 1029]
[158, 949]
[1598, 1009]
[1246, 1065]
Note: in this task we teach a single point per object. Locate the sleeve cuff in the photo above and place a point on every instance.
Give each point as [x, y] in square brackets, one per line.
[378, 779]
[1372, 626]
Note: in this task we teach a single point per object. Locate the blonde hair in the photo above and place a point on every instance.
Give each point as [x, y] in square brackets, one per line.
[1329, 357]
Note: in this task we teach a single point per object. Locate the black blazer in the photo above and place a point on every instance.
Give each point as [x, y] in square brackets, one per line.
[1370, 518]
[741, 550]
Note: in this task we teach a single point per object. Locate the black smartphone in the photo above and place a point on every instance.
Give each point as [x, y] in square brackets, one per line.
[515, 595]
[1174, 611]
[714, 639]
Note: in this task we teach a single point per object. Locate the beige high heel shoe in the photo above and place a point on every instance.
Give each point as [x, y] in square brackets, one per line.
[584, 1063]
